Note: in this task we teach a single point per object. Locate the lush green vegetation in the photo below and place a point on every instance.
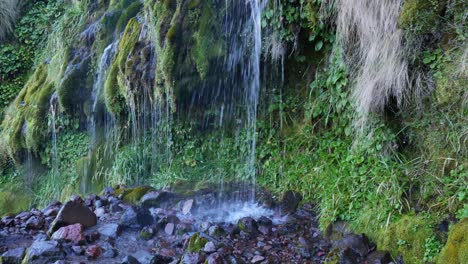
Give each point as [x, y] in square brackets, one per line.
[395, 178]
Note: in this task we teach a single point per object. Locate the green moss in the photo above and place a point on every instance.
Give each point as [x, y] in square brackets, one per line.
[13, 200]
[24, 126]
[133, 195]
[129, 12]
[456, 249]
[407, 237]
[196, 243]
[207, 44]
[75, 86]
[116, 85]
[421, 16]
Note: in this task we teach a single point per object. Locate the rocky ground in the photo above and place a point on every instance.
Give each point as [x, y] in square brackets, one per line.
[143, 225]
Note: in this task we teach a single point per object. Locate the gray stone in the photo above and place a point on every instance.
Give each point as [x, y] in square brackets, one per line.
[110, 230]
[43, 252]
[136, 217]
[13, 256]
[257, 259]
[156, 199]
[73, 212]
[290, 201]
[130, 260]
[143, 256]
[169, 229]
[188, 206]
[209, 247]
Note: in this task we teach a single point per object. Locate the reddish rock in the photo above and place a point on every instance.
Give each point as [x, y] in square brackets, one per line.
[71, 233]
[93, 251]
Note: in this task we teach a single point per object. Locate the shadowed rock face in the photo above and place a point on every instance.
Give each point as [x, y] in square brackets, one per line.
[73, 212]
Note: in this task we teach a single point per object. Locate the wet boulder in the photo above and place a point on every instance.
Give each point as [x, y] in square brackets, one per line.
[71, 233]
[290, 201]
[352, 248]
[156, 199]
[136, 217]
[13, 256]
[248, 225]
[43, 252]
[73, 212]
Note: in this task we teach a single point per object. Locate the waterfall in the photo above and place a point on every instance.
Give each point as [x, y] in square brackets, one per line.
[368, 32]
[52, 115]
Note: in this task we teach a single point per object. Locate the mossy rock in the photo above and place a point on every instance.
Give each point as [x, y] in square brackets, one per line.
[196, 243]
[421, 16]
[13, 200]
[115, 88]
[407, 237]
[456, 249]
[23, 126]
[133, 195]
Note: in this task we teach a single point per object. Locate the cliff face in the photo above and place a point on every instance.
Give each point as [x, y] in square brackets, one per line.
[361, 108]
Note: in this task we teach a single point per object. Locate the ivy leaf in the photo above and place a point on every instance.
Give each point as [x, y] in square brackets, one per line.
[318, 46]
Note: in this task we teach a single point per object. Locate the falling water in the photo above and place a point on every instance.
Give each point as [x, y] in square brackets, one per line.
[52, 114]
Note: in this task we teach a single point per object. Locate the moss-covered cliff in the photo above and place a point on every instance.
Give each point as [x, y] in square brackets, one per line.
[169, 106]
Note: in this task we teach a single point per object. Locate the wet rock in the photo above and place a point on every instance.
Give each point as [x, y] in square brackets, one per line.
[8, 221]
[209, 247]
[35, 222]
[183, 228]
[191, 258]
[358, 244]
[78, 250]
[114, 208]
[147, 232]
[108, 191]
[143, 256]
[110, 230]
[156, 199]
[13, 256]
[109, 251]
[73, 212]
[215, 258]
[160, 259]
[43, 252]
[23, 215]
[265, 221]
[136, 217]
[216, 231]
[336, 231]
[100, 212]
[188, 206]
[130, 260]
[169, 229]
[71, 233]
[379, 257]
[248, 225]
[290, 201]
[93, 252]
[257, 259]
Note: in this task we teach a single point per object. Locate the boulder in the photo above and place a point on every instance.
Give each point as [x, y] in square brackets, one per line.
[73, 212]
[248, 225]
[156, 199]
[43, 252]
[71, 233]
[35, 222]
[136, 217]
[130, 260]
[13, 256]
